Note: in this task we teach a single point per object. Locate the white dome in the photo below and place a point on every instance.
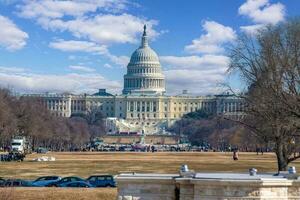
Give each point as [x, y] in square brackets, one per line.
[144, 74]
[144, 54]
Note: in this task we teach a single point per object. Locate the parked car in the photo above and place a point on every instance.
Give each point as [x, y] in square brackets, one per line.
[42, 150]
[45, 180]
[2, 182]
[126, 148]
[16, 183]
[78, 184]
[62, 182]
[102, 181]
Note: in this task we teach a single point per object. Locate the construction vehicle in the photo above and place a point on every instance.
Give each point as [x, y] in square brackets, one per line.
[20, 147]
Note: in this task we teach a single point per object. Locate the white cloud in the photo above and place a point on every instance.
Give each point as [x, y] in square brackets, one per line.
[58, 9]
[89, 47]
[262, 11]
[11, 37]
[198, 74]
[72, 82]
[103, 29]
[81, 68]
[11, 69]
[96, 24]
[118, 60]
[106, 65]
[211, 42]
[75, 45]
[195, 81]
[81, 19]
[204, 62]
[252, 29]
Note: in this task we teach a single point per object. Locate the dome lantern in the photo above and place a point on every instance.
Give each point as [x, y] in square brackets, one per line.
[144, 38]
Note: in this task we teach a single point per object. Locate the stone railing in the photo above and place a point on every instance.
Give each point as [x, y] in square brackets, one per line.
[208, 186]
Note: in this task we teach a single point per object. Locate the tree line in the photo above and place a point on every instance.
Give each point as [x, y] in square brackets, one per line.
[28, 116]
[215, 133]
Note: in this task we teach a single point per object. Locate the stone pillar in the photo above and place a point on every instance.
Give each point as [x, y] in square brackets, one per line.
[155, 187]
[134, 106]
[186, 189]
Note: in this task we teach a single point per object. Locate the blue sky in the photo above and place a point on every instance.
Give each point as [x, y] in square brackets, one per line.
[80, 46]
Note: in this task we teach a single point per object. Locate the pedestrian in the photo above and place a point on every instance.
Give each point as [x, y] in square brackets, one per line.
[235, 155]
[152, 149]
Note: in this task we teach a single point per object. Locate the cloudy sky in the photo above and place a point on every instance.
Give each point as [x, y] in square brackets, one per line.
[81, 45]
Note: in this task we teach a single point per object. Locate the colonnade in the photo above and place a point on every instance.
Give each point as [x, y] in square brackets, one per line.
[233, 107]
[142, 106]
[144, 83]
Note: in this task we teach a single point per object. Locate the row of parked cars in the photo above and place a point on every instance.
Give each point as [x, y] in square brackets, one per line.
[57, 181]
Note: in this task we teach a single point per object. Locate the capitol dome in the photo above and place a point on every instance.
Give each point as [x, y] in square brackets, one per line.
[144, 55]
[144, 74]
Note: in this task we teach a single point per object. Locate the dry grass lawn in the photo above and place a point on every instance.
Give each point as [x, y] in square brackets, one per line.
[84, 164]
[57, 194]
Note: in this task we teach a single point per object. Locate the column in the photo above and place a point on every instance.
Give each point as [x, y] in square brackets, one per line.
[151, 106]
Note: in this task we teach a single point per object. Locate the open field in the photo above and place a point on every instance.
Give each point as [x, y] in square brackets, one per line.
[57, 193]
[86, 163]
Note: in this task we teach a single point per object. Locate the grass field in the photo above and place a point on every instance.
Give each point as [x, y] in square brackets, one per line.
[84, 164]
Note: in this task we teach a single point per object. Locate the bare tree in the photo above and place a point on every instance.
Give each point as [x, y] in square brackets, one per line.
[8, 120]
[269, 65]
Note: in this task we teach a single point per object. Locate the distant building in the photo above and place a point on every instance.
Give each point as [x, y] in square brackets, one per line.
[143, 107]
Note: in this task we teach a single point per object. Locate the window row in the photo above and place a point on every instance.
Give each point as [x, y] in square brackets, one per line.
[144, 70]
[147, 83]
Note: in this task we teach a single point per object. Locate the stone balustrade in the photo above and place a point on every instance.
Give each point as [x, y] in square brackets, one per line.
[208, 186]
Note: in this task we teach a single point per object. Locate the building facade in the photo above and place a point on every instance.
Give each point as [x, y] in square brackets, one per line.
[143, 107]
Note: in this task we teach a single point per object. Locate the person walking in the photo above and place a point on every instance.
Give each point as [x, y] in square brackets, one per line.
[235, 155]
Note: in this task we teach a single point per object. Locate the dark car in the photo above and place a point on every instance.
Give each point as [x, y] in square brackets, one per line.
[2, 182]
[102, 181]
[64, 181]
[78, 184]
[16, 183]
[42, 150]
[45, 180]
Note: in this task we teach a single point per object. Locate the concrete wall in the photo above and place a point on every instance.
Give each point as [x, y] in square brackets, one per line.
[151, 187]
[218, 187]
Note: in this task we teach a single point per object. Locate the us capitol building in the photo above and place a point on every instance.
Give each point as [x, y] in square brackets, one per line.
[143, 107]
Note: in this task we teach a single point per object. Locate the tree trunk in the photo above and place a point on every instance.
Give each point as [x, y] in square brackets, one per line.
[282, 160]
